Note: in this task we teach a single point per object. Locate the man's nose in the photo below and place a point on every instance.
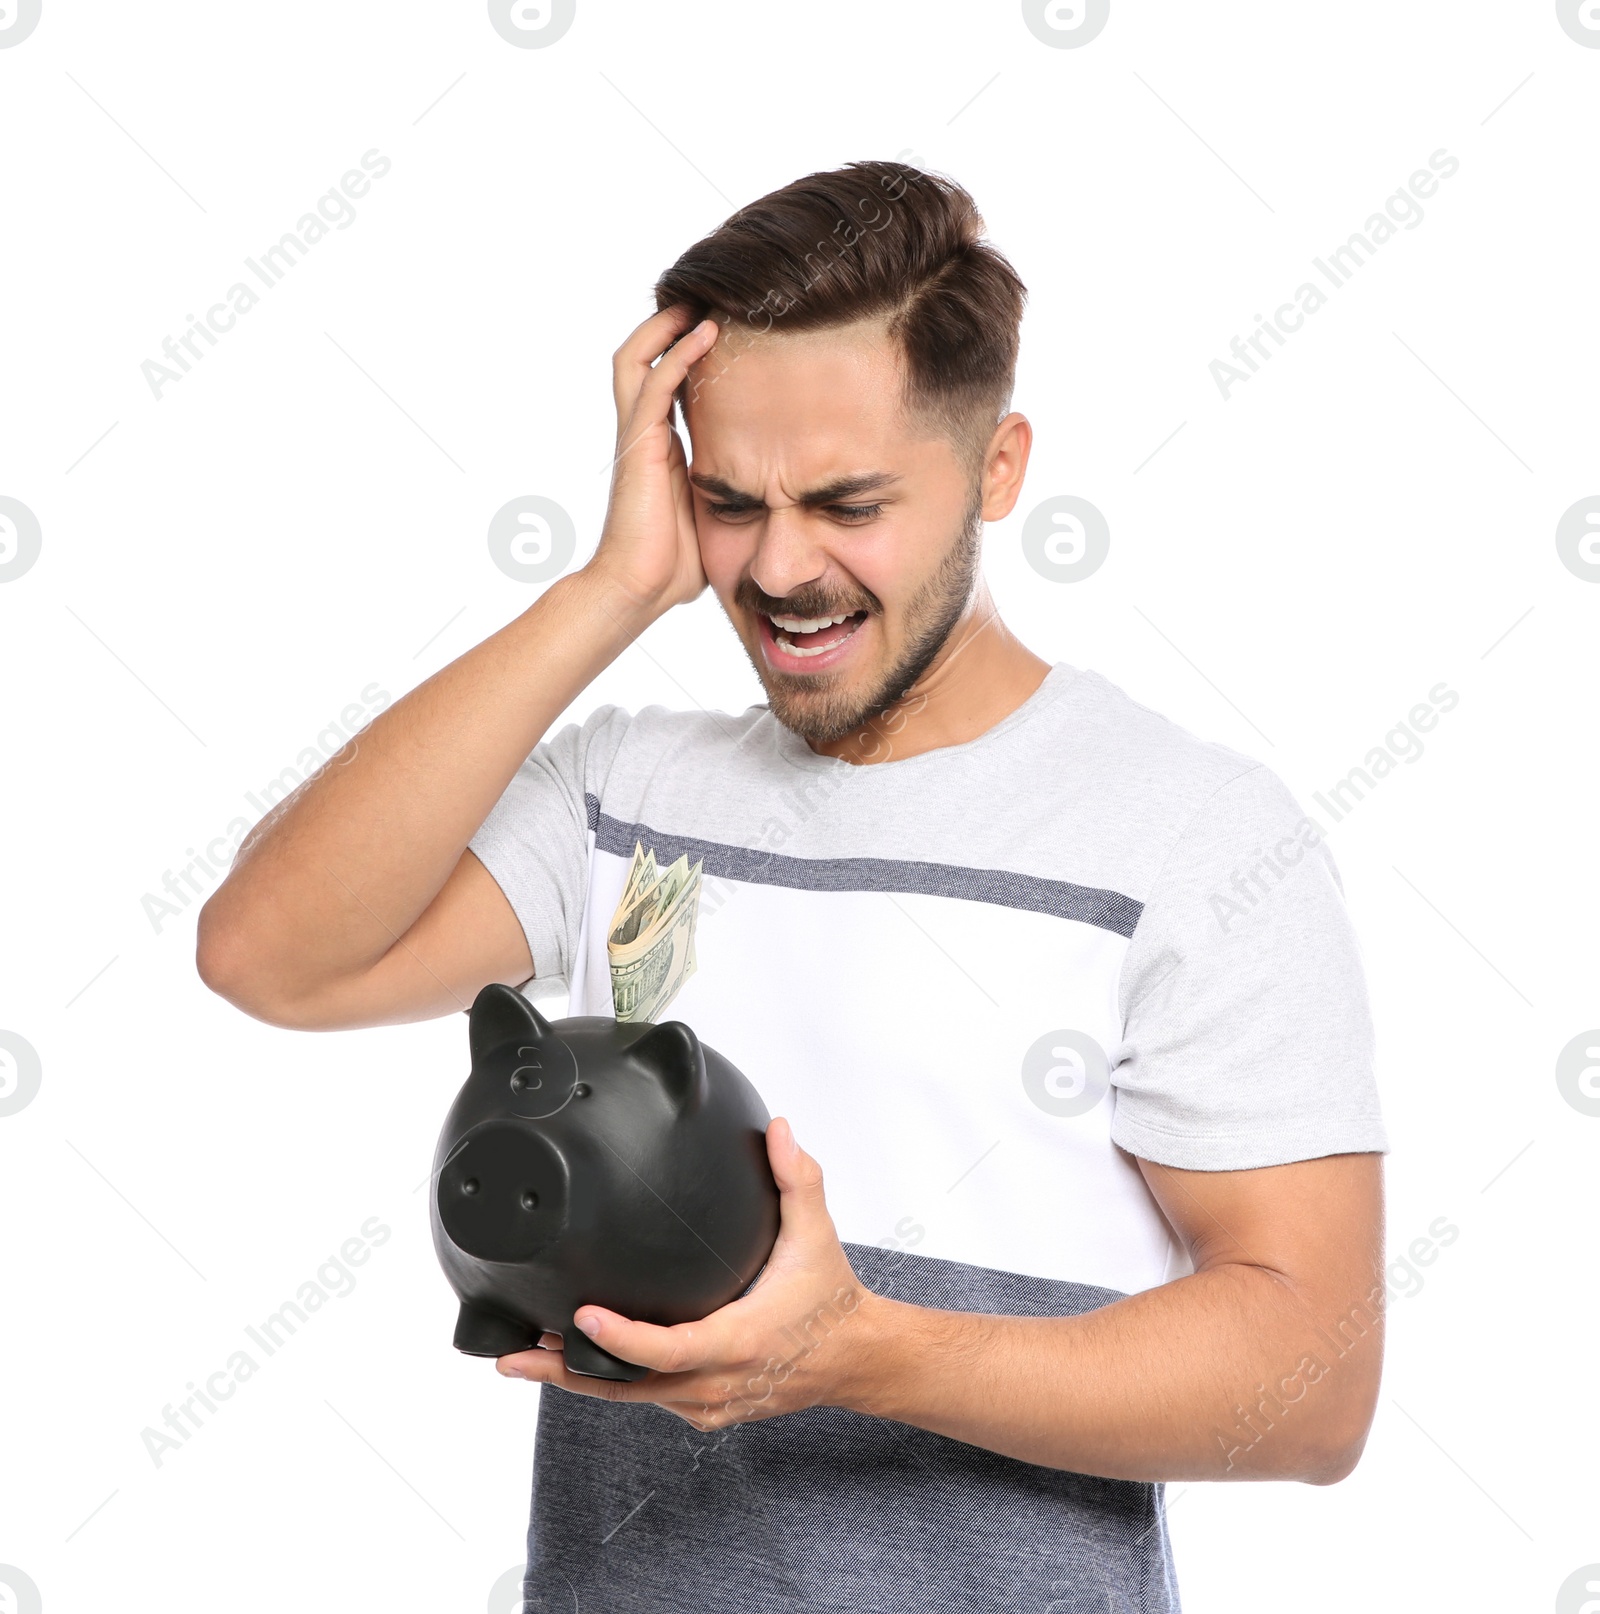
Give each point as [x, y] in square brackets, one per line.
[788, 553]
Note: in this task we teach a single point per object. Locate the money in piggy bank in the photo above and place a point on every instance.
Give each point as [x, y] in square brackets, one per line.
[589, 1161]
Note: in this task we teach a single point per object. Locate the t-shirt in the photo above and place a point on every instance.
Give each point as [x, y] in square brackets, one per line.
[979, 981]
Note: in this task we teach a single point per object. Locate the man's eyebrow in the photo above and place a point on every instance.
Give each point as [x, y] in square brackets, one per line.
[841, 488]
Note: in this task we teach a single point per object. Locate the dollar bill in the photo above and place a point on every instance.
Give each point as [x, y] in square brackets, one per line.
[641, 871]
[651, 943]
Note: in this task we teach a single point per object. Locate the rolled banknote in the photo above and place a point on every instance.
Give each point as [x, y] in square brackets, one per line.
[651, 944]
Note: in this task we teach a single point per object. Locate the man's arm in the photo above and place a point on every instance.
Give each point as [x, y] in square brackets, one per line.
[356, 901]
[1263, 1364]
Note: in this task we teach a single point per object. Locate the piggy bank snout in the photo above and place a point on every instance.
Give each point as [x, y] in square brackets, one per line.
[502, 1192]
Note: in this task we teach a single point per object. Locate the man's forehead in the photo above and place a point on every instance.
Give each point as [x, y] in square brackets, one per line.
[850, 375]
[809, 409]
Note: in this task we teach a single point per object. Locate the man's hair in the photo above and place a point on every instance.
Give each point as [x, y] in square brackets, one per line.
[872, 241]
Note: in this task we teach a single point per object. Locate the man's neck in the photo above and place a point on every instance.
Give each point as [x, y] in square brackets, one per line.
[981, 676]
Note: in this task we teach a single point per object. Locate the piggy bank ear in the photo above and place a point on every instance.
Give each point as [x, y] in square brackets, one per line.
[501, 1015]
[671, 1052]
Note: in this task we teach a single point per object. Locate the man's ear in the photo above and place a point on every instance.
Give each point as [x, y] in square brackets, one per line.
[1006, 465]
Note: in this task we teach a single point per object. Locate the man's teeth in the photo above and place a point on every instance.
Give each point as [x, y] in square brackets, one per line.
[806, 624]
[784, 628]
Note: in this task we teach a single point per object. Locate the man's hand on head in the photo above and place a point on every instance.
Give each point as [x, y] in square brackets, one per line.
[649, 548]
[791, 1342]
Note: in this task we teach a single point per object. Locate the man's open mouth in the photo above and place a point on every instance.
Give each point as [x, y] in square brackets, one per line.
[811, 636]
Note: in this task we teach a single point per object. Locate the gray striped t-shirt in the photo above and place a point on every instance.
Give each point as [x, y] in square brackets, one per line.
[979, 981]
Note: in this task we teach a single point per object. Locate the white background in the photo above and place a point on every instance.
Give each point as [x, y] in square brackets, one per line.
[304, 515]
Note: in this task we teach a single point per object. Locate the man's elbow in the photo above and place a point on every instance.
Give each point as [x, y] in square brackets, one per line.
[226, 963]
[217, 954]
[1336, 1459]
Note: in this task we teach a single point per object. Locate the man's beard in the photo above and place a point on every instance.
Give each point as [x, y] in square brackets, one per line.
[815, 707]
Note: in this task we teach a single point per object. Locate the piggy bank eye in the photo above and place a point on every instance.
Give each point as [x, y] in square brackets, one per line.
[524, 1076]
[541, 1079]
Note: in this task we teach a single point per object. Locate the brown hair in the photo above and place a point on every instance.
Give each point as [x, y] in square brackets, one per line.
[872, 240]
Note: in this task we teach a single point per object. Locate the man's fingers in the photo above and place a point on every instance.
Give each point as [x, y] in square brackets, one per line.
[665, 1350]
[653, 402]
[798, 1176]
[639, 350]
[631, 363]
[529, 1364]
[550, 1367]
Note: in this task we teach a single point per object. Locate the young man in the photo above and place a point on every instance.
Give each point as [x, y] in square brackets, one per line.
[1065, 998]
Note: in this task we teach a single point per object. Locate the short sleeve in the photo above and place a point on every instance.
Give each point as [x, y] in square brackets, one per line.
[535, 840]
[1247, 1031]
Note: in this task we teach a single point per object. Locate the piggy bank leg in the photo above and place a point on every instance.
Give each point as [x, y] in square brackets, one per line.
[487, 1333]
[584, 1356]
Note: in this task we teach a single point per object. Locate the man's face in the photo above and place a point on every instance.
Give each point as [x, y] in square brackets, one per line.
[815, 500]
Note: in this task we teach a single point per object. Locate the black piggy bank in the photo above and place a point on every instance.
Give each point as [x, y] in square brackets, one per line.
[594, 1162]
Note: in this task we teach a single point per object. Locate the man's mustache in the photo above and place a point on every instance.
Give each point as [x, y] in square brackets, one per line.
[802, 605]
